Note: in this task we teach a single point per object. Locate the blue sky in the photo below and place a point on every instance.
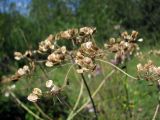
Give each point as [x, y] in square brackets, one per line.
[21, 5]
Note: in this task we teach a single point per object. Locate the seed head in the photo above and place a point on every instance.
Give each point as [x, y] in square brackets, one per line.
[32, 97]
[49, 83]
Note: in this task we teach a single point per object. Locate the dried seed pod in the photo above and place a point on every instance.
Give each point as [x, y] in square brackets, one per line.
[55, 90]
[89, 48]
[26, 68]
[50, 38]
[63, 49]
[46, 45]
[18, 55]
[134, 34]
[87, 60]
[21, 71]
[49, 64]
[37, 91]
[28, 53]
[49, 83]
[32, 97]
[87, 31]
[68, 34]
[139, 67]
[65, 35]
[112, 40]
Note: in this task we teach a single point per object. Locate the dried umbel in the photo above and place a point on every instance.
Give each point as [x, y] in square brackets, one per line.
[49, 52]
[85, 63]
[53, 89]
[49, 45]
[130, 38]
[34, 96]
[123, 47]
[85, 57]
[89, 48]
[56, 57]
[46, 45]
[87, 31]
[18, 55]
[37, 91]
[148, 71]
[68, 34]
[73, 34]
[23, 71]
[49, 83]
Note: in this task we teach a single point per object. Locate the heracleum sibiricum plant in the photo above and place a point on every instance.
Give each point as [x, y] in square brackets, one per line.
[84, 57]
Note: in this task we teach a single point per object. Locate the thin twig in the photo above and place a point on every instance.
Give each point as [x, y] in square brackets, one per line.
[156, 111]
[117, 68]
[77, 102]
[66, 77]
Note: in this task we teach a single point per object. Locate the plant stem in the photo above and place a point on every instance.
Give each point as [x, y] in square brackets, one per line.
[117, 68]
[24, 106]
[88, 90]
[90, 96]
[158, 106]
[94, 93]
[127, 95]
[156, 111]
[77, 101]
[66, 77]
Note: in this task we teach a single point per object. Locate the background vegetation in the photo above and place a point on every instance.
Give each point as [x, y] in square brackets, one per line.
[23, 27]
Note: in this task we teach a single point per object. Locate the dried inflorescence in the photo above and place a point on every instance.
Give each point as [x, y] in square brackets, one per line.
[34, 96]
[83, 54]
[68, 34]
[87, 31]
[77, 35]
[46, 45]
[89, 48]
[123, 47]
[37, 93]
[148, 71]
[53, 89]
[86, 55]
[56, 57]
[19, 55]
[49, 44]
[23, 71]
[85, 63]
[50, 53]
